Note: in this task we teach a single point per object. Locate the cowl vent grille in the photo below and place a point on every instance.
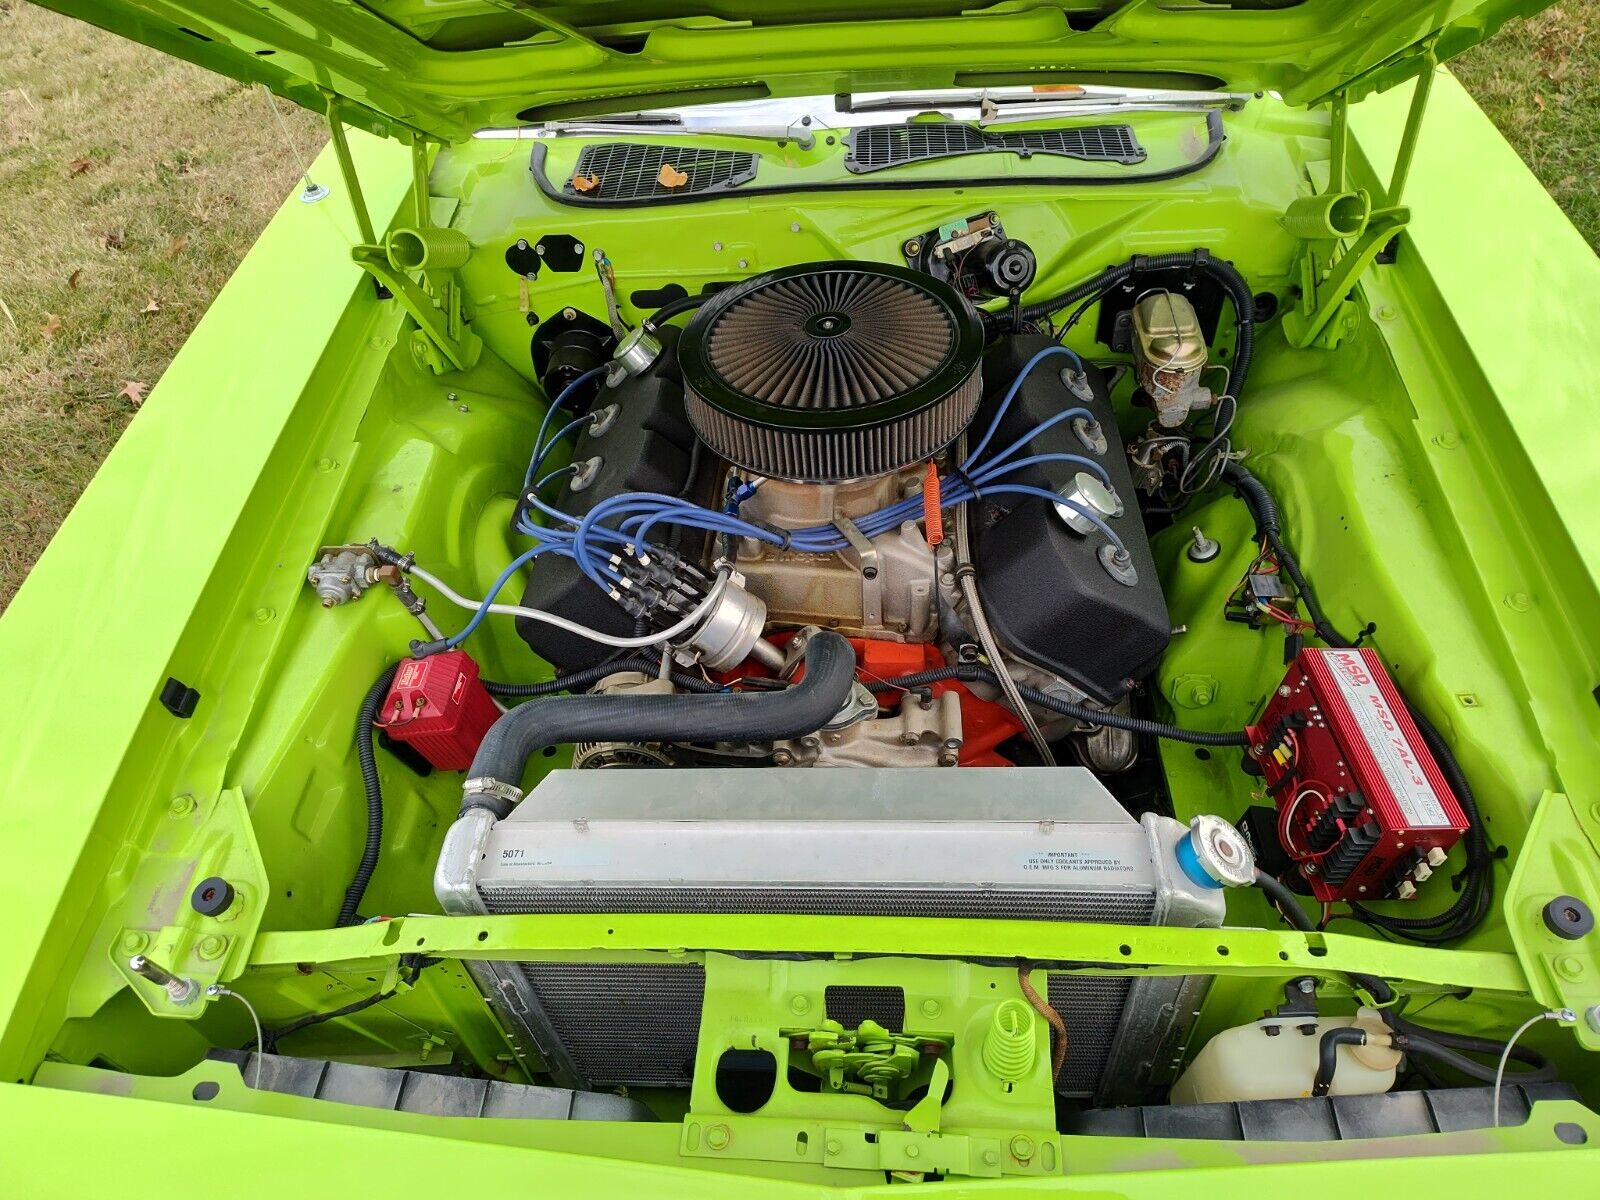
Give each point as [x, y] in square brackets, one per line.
[832, 371]
[632, 171]
[877, 147]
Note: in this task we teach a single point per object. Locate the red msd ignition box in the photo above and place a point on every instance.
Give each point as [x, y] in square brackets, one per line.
[439, 707]
[1363, 809]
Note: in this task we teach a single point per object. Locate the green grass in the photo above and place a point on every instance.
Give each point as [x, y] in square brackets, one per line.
[1539, 81]
[183, 169]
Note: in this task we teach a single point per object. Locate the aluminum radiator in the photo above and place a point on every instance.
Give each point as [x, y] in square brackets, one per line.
[1047, 845]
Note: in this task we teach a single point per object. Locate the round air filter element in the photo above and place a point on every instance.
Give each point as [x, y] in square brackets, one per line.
[832, 371]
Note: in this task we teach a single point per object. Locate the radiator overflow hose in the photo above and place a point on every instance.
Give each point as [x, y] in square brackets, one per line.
[493, 782]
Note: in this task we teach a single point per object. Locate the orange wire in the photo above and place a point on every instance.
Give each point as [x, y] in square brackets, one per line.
[1058, 1027]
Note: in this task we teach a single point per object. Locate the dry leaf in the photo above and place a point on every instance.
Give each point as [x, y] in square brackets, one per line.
[52, 325]
[111, 239]
[152, 306]
[79, 165]
[72, 280]
[670, 177]
[1566, 182]
[133, 392]
[585, 183]
[1539, 100]
[177, 246]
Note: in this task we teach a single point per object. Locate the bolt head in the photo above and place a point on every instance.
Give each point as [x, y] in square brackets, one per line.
[135, 942]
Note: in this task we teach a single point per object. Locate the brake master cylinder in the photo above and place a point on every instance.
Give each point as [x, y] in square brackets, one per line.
[1169, 352]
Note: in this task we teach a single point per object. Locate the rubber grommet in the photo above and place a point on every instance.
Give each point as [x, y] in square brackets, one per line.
[212, 897]
[1568, 917]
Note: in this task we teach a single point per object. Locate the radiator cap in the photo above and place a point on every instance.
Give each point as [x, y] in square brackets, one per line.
[1215, 854]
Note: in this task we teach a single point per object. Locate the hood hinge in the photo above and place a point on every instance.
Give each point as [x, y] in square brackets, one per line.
[416, 265]
[1343, 232]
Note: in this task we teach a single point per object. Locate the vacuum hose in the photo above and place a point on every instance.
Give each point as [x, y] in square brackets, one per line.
[493, 782]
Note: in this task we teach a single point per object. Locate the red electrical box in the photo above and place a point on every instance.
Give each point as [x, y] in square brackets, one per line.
[439, 707]
[1363, 809]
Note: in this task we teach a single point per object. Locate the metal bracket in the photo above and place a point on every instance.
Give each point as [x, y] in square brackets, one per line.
[1340, 218]
[442, 341]
[160, 927]
[1327, 312]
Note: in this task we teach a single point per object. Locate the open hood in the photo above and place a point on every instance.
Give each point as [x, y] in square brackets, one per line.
[444, 68]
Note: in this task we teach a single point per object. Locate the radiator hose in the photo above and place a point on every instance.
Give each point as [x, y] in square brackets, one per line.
[493, 782]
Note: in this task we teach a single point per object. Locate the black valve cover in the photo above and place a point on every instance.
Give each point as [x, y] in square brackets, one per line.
[1047, 595]
[648, 447]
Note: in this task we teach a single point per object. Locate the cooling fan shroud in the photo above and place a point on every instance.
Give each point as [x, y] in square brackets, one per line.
[832, 371]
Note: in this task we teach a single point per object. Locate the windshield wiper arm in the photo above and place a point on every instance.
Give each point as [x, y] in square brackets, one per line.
[1085, 100]
[673, 123]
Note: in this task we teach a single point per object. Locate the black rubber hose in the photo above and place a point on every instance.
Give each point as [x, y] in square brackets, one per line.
[1328, 1055]
[1237, 288]
[675, 308]
[973, 673]
[728, 716]
[1475, 1045]
[1288, 904]
[1429, 1045]
[365, 721]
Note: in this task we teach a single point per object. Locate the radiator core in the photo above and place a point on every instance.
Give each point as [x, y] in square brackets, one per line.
[1051, 845]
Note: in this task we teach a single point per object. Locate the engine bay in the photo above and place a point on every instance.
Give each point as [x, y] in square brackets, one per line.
[1055, 702]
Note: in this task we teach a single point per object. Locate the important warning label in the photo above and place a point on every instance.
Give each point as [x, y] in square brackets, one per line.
[1075, 860]
[1380, 731]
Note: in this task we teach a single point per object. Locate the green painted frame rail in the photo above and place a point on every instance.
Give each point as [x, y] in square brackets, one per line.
[1145, 950]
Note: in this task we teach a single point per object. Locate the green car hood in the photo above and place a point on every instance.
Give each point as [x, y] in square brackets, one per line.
[444, 68]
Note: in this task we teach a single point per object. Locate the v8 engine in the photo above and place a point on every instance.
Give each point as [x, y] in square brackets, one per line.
[858, 463]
